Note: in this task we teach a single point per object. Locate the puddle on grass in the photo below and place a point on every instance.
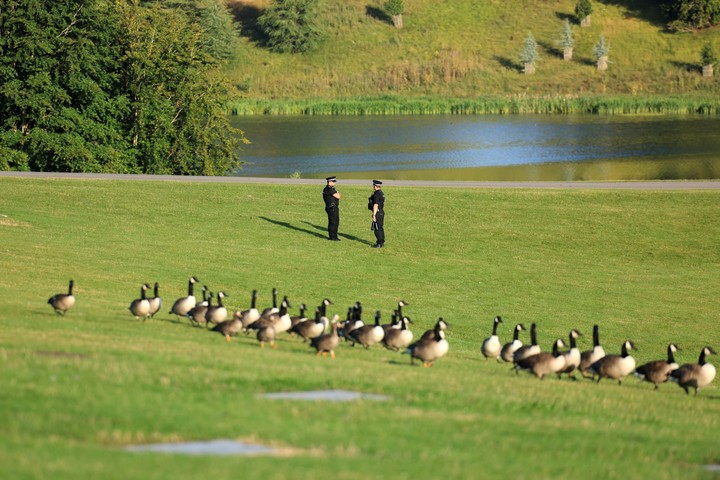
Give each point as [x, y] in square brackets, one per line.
[328, 395]
[713, 468]
[210, 447]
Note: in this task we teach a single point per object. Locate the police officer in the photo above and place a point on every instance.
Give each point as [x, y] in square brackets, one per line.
[377, 201]
[332, 207]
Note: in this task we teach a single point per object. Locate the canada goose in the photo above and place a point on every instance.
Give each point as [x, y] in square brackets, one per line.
[431, 334]
[658, 371]
[62, 302]
[196, 315]
[140, 307]
[430, 350]
[396, 339]
[588, 357]
[695, 375]
[229, 328]
[155, 301]
[252, 314]
[616, 367]
[184, 304]
[266, 334]
[509, 348]
[280, 320]
[327, 342]
[354, 321]
[491, 346]
[295, 319]
[274, 309]
[394, 322]
[401, 304]
[323, 306]
[216, 313]
[544, 363]
[368, 335]
[528, 350]
[309, 329]
[572, 356]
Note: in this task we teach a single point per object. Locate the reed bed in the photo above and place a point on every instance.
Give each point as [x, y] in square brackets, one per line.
[397, 105]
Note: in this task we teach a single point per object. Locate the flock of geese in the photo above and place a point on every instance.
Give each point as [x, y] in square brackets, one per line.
[325, 334]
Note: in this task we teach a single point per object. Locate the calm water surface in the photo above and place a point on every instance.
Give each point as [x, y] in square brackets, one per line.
[568, 147]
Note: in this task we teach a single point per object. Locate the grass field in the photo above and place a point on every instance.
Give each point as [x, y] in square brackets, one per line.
[74, 390]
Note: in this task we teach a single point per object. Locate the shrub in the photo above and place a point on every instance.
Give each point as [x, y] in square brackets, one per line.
[291, 26]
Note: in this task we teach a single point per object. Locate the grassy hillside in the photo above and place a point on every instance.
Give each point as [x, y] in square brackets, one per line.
[77, 389]
[470, 48]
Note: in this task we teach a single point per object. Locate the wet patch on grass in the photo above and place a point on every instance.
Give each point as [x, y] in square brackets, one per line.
[327, 395]
[209, 447]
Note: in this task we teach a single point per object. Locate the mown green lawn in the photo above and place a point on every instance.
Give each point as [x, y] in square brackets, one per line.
[75, 390]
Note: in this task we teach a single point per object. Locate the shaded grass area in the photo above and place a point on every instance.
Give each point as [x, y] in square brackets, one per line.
[642, 264]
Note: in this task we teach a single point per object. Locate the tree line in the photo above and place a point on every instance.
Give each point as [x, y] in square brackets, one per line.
[116, 86]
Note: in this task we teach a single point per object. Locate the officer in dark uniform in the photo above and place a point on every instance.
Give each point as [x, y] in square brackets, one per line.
[377, 201]
[332, 207]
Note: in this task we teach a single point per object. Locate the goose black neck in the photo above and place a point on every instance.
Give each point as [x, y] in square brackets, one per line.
[596, 336]
[671, 356]
[533, 335]
[377, 318]
[572, 341]
[701, 360]
[556, 349]
[70, 287]
[516, 333]
[495, 325]
[624, 350]
[142, 292]
[253, 299]
[190, 288]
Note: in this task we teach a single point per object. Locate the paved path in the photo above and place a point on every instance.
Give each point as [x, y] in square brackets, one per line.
[648, 185]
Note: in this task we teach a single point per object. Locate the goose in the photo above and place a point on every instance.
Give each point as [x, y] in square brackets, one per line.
[250, 315]
[216, 313]
[140, 307]
[588, 357]
[528, 350]
[323, 306]
[280, 321]
[62, 302]
[229, 328]
[397, 339]
[394, 322]
[354, 321]
[327, 342]
[616, 367]
[401, 304]
[310, 329]
[295, 319]
[196, 315]
[572, 356]
[659, 371]
[544, 363]
[266, 334]
[509, 348]
[368, 335]
[155, 301]
[491, 346]
[184, 304]
[429, 350]
[695, 375]
[430, 334]
[274, 309]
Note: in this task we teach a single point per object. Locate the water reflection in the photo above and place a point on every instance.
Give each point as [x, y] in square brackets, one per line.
[549, 148]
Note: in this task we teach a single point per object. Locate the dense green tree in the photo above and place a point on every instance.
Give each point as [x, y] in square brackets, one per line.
[692, 14]
[109, 86]
[566, 40]
[395, 8]
[583, 10]
[59, 107]
[707, 55]
[291, 26]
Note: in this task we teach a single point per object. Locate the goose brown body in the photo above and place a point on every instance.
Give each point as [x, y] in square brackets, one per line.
[658, 371]
[62, 302]
[695, 375]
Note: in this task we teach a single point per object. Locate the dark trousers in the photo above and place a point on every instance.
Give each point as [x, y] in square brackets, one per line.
[380, 231]
[333, 213]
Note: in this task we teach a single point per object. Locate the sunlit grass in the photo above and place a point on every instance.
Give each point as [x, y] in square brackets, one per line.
[75, 389]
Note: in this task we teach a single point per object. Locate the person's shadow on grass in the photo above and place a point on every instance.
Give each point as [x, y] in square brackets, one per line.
[293, 227]
[344, 235]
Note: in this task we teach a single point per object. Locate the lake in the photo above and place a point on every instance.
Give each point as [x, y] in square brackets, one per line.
[491, 148]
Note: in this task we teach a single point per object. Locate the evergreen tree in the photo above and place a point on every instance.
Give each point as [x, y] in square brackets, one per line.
[583, 10]
[707, 55]
[395, 8]
[291, 26]
[529, 54]
[692, 14]
[566, 40]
